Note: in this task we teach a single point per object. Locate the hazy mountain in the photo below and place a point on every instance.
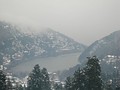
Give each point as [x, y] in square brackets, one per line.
[16, 45]
[109, 45]
[107, 49]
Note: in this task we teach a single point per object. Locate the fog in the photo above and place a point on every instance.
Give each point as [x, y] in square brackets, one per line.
[83, 20]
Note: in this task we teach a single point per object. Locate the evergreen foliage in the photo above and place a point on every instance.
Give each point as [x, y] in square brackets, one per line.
[35, 80]
[88, 78]
[93, 73]
[117, 88]
[80, 80]
[2, 80]
[38, 79]
[21, 88]
[45, 82]
[9, 84]
[69, 84]
[58, 87]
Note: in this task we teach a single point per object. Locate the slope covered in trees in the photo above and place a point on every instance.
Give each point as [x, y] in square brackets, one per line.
[16, 45]
[88, 78]
[109, 45]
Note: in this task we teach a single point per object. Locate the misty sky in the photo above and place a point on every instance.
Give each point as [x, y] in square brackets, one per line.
[83, 20]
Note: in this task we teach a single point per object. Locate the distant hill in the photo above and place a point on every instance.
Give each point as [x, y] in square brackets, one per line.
[16, 45]
[109, 45]
[106, 49]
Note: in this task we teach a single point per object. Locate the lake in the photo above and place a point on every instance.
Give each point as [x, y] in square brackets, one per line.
[52, 64]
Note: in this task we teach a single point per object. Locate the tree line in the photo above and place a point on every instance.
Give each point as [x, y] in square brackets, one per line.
[87, 78]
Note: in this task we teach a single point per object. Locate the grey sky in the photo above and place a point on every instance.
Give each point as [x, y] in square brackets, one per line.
[83, 20]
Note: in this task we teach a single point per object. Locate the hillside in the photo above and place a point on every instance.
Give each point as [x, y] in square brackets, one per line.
[16, 45]
[109, 45]
[106, 49]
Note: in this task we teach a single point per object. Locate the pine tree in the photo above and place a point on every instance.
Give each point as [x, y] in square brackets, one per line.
[39, 79]
[93, 73]
[2, 80]
[35, 80]
[45, 82]
[88, 78]
[80, 80]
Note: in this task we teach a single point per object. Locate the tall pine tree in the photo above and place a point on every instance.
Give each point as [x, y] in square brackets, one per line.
[88, 78]
[34, 79]
[45, 80]
[93, 72]
[39, 79]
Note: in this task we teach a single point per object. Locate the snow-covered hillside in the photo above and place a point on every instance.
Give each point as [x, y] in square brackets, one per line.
[16, 45]
[109, 45]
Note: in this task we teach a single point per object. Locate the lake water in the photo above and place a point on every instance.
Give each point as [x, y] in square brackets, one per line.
[52, 64]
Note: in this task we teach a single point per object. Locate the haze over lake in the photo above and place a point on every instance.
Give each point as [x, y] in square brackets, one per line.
[53, 64]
